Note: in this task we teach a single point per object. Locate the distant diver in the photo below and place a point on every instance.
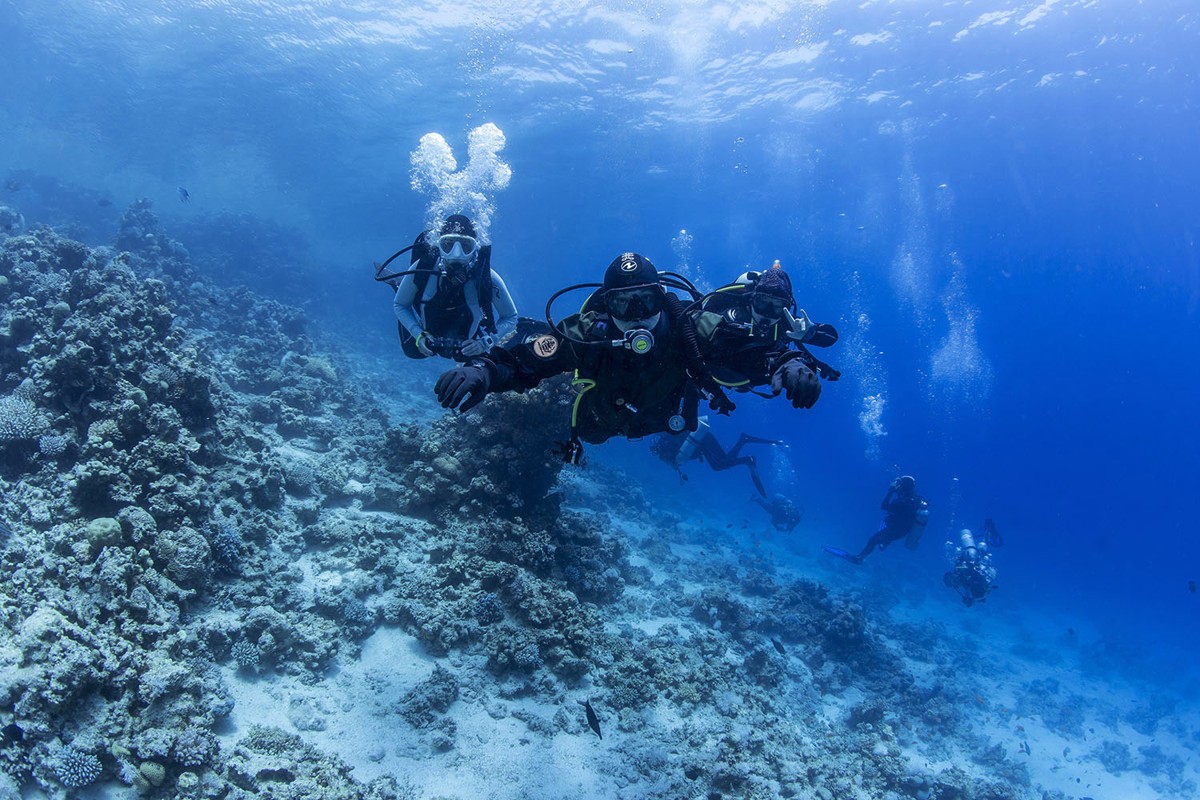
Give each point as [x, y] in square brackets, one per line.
[785, 515]
[907, 515]
[450, 302]
[184, 197]
[702, 445]
[973, 575]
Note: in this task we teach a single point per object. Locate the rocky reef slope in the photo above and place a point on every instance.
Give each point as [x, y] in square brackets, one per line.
[193, 495]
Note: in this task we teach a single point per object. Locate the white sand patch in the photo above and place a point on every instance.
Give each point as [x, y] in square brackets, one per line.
[352, 715]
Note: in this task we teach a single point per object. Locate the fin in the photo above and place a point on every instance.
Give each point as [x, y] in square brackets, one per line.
[840, 553]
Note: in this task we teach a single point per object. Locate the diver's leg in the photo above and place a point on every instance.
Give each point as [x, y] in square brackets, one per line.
[746, 439]
[752, 465]
[880, 538]
[711, 451]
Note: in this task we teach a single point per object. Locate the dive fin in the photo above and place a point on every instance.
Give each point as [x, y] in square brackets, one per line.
[840, 553]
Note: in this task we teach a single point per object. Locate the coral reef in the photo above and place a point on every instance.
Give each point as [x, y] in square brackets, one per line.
[195, 499]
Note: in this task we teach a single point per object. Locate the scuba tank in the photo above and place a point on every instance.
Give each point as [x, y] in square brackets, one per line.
[922, 519]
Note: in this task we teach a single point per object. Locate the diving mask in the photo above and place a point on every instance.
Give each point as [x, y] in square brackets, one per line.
[456, 246]
[768, 306]
[634, 303]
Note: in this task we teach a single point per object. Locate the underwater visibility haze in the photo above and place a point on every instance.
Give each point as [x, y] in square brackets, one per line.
[246, 554]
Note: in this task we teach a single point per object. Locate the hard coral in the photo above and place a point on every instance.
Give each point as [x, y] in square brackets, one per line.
[76, 768]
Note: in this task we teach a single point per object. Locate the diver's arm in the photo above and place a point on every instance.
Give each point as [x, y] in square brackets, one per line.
[503, 307]
[405, 307]
[524, 362]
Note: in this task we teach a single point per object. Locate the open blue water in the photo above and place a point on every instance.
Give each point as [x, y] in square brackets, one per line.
[994, 201]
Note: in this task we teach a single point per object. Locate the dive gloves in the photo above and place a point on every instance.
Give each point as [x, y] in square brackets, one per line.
[798, 381]
[463, 387]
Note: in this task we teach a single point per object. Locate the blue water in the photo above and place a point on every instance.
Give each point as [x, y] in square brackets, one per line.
[995, 203]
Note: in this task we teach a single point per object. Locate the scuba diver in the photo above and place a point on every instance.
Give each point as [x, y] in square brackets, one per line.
[907, 515]
[973, 575]
[635, 349]
[450, 302]
[785, 515]
[701, 445]
[761, 308]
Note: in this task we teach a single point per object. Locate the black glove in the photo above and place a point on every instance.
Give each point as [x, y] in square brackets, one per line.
[463, 385]
[799, 381]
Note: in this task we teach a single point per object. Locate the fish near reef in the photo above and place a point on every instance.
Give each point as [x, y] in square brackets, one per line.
[779, 647]
[184, 197]
[592, 720]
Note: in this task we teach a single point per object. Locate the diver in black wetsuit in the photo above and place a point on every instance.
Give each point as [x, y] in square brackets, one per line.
[785, 515]
[678, 449]
[907, 513]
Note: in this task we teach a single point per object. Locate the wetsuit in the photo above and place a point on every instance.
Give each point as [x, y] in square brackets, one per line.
[897, 524]
[432, 305]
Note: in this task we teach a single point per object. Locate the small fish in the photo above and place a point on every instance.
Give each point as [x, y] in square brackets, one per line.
[1192, 587]
[779, 647]
[1025, 749]
[12, 733]
[730, 525]
[12, 185]
[184, 197]
[1070, 631]
[104, 202]
[592, 720]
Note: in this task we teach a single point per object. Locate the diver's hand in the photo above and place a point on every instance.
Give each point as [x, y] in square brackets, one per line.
[463, 387]
[799, 382]
[472, 347]
[423, 345]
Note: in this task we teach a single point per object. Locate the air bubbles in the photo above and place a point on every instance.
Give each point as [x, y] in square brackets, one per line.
[470, 190]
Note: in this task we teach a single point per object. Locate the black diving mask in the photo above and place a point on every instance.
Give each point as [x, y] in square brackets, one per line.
[768, 306]
[637, 302]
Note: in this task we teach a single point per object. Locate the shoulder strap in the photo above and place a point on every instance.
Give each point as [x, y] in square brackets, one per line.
[485, 289]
